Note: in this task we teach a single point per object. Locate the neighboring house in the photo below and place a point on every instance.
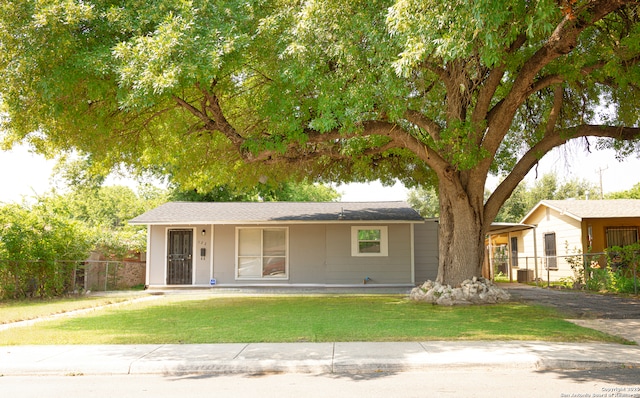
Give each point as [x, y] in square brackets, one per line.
[558, 230]
[286, 243]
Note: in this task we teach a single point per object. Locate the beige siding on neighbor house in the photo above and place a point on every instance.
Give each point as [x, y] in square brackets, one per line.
[512, 265]
[569, 239]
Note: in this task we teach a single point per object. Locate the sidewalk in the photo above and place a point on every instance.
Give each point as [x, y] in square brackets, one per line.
[350, 358]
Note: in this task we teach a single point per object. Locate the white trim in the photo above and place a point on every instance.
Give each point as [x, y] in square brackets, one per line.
[277, 222]
[147, 271]
[165, 254]
[413, 255]
[262, 278]
[194, 254]
[384, 241]
[211, 252]
[286, 285]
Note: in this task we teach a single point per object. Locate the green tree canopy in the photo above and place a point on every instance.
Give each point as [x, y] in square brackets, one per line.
[39, 249]
[425, 200]
[633, 193]
[524, 198]
[216, 91]
[288, 191]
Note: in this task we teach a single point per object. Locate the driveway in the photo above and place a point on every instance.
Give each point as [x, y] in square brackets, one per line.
[611, 314]
[577, 304]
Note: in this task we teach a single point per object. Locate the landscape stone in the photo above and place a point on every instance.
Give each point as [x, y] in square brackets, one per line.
[471, 291]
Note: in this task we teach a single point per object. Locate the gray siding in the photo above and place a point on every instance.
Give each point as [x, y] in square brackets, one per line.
[426, 251]
[202, 264]
[307, 253]
[342, 268]
[157, 255]
[318, 254]
[224, 254]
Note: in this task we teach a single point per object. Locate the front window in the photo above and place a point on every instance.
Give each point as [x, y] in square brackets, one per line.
[369, 241]
[261, 253]
[621, 236]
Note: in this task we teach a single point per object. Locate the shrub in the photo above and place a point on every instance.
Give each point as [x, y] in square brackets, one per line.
[620, 274]
[38, 249]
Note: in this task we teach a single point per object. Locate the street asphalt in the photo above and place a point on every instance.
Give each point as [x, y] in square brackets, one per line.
[336, 357]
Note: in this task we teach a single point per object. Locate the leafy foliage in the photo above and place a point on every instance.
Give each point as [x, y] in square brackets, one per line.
[621, 273]
[425, 201]
[38, 250]
[282, 192]
[523, 198]
[213, 92]
[633, 193]
[42, 244]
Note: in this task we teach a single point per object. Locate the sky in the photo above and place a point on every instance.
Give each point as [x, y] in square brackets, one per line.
[24, 174]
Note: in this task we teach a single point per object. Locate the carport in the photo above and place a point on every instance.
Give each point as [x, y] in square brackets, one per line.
[500, 239]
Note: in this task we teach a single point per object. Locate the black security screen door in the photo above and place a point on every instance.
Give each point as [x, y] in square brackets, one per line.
[179, 264]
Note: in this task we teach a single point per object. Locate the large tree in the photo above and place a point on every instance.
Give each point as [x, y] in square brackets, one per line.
[213, 91]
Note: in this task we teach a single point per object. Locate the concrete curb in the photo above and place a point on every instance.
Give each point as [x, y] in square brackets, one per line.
[316, 358]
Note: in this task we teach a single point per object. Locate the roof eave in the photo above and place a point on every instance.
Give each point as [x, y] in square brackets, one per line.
[550, 206]
[277, 222]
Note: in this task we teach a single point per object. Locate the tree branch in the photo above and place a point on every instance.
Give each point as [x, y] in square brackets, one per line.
[425, 123]
[550, 141]
[492, 83]
[558, 93]
[561, 42]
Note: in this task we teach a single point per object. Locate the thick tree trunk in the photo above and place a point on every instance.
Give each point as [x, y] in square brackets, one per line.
[461, 237]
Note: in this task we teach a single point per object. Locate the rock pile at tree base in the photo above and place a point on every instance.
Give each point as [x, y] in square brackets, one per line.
[471, 291]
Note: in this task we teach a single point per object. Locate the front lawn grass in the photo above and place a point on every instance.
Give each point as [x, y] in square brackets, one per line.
[300, 319]
[22, 310]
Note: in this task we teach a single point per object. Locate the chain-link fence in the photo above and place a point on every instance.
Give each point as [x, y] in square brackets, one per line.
[39, 278]
[592, 271]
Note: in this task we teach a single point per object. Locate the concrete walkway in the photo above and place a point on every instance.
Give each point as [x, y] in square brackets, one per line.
[346, 358]
[339, 357]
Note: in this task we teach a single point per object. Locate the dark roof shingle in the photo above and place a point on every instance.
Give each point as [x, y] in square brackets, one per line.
[255, 212]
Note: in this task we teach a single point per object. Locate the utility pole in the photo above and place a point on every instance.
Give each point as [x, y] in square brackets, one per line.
[599, 171]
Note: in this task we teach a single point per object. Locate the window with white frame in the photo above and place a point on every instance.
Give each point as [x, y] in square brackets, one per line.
[261, 253]
[369, 241]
